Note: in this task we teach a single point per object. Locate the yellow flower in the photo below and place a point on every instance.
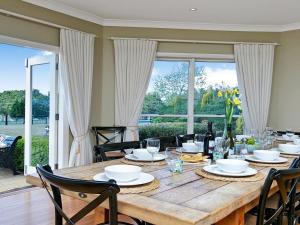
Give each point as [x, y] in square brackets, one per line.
[236, 101]
[229, 91]
[236, 91]
[220, 94]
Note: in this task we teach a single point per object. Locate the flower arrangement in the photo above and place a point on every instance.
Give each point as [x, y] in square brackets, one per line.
[231, 100]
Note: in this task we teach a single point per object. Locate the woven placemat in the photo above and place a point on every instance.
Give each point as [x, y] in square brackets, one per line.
[140, 188]
[256, 177]
[286, 164]
[144, 163]
[289, 155]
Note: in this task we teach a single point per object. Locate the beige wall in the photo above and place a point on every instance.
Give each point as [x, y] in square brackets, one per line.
[18, 28]
[107, 88]
[285, 103]
[284, 108]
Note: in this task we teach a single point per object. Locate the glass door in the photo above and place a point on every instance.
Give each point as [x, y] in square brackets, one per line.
[41, 101]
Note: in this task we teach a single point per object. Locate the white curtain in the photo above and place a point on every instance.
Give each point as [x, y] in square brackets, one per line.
[254, 63]
[133, 65]
[76, 57]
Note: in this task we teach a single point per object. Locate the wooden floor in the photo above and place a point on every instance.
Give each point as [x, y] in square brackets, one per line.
[33, 207]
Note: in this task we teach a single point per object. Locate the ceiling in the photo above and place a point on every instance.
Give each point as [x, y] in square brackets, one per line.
[244, 15]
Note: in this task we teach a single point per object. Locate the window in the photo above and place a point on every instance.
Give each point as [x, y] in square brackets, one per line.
[177, 87]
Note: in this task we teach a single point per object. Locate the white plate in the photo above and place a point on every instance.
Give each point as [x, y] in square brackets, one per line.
[252, 158]
[286, 153]
[187, 151]
[144, 179]
[215, 170]
[157, 157]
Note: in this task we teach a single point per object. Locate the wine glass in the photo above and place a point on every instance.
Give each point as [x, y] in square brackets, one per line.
[153, 146]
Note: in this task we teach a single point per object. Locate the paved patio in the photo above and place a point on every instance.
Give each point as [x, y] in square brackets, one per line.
[9, 182]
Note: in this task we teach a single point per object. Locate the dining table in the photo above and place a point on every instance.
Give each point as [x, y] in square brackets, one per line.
[180, 199]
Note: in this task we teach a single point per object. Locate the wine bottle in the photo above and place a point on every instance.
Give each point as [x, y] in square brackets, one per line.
[209, 141]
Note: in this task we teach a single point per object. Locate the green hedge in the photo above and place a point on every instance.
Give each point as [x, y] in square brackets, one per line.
[40, 149]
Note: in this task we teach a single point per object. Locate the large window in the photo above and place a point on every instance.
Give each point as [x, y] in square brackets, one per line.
[177, 91]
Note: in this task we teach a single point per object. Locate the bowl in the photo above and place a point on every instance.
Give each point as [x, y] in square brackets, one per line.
[297, 141]
[142, 153]
[190, 147]
[123, 173]
[289, 148]
[266, 155]
[232, 165]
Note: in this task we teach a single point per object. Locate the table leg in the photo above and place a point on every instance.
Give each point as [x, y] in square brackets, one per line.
[235, 218]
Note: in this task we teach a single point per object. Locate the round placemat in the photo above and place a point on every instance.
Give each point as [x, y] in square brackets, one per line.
[140, 188]
[143, 163]
[286, 164]
[256, 177]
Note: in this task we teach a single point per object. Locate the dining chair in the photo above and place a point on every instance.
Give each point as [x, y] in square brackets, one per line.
[111, 151]
[104, 190]
[286, 180]
[105, 135]
[184, 138]
[165, 141]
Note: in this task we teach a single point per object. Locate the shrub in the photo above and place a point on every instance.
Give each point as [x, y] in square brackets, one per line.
[39, 155]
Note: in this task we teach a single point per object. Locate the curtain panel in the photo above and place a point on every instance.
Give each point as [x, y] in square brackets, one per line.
[76, 74]
[254, 64]
[133, 66]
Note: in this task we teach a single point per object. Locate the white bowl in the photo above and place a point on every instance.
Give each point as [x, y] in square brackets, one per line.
[297, 141]
[142, 153]
[232, 165]
[266, 155]
[190, 147]
[123, 173]
[289, 148]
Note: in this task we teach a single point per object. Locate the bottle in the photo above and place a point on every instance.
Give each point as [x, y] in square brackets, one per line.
[229, 142]
[209, 141]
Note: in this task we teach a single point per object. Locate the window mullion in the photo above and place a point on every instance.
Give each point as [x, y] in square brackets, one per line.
[191, 82]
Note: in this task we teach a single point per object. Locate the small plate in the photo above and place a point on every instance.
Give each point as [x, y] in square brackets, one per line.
[286, 153]
[252, 158]
[214, 169]
[187, 151]
[157, 157]
[144, 179]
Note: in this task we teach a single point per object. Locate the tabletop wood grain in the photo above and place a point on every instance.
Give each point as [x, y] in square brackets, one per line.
[183, 199]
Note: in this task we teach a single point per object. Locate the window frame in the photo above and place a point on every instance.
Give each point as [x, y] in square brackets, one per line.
[192, 58]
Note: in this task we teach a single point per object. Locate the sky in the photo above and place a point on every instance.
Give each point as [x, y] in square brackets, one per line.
[217, 72]
[12, 69]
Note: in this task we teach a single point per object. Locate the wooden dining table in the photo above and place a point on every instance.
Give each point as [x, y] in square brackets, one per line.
[181, 199]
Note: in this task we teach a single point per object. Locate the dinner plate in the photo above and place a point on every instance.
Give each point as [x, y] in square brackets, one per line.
[187, 151]
[144, 179]
[214, 169]
[286, 153]
[157, 157]
[252, 158]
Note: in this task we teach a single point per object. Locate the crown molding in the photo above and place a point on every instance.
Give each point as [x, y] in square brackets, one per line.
[75, 12]
[68, 10]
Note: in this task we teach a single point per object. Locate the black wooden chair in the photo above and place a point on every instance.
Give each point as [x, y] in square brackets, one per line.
[105, 190]
[184, 138]
[7, 159]
[165, 141]
[106, 135]
[111, 151]
[287, 182]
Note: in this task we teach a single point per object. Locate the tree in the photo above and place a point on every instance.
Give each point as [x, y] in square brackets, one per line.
[152, 103]
[18, 108]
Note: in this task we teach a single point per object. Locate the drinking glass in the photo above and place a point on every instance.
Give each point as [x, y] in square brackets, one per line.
[218, 152]
[289, 133]
[173, 159]
[199, 141]
[153, 146]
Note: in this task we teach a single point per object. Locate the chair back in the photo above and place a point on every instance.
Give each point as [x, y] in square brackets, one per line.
[165, 141]
[287, 183]
[105, 190]
[106, 135]
[11, 142]
[184, 138]
[100, 150]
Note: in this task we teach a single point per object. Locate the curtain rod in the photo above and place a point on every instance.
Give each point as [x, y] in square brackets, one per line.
[193, 41]
[17, 15]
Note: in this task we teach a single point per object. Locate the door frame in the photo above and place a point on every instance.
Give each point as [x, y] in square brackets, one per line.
[53, 109]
